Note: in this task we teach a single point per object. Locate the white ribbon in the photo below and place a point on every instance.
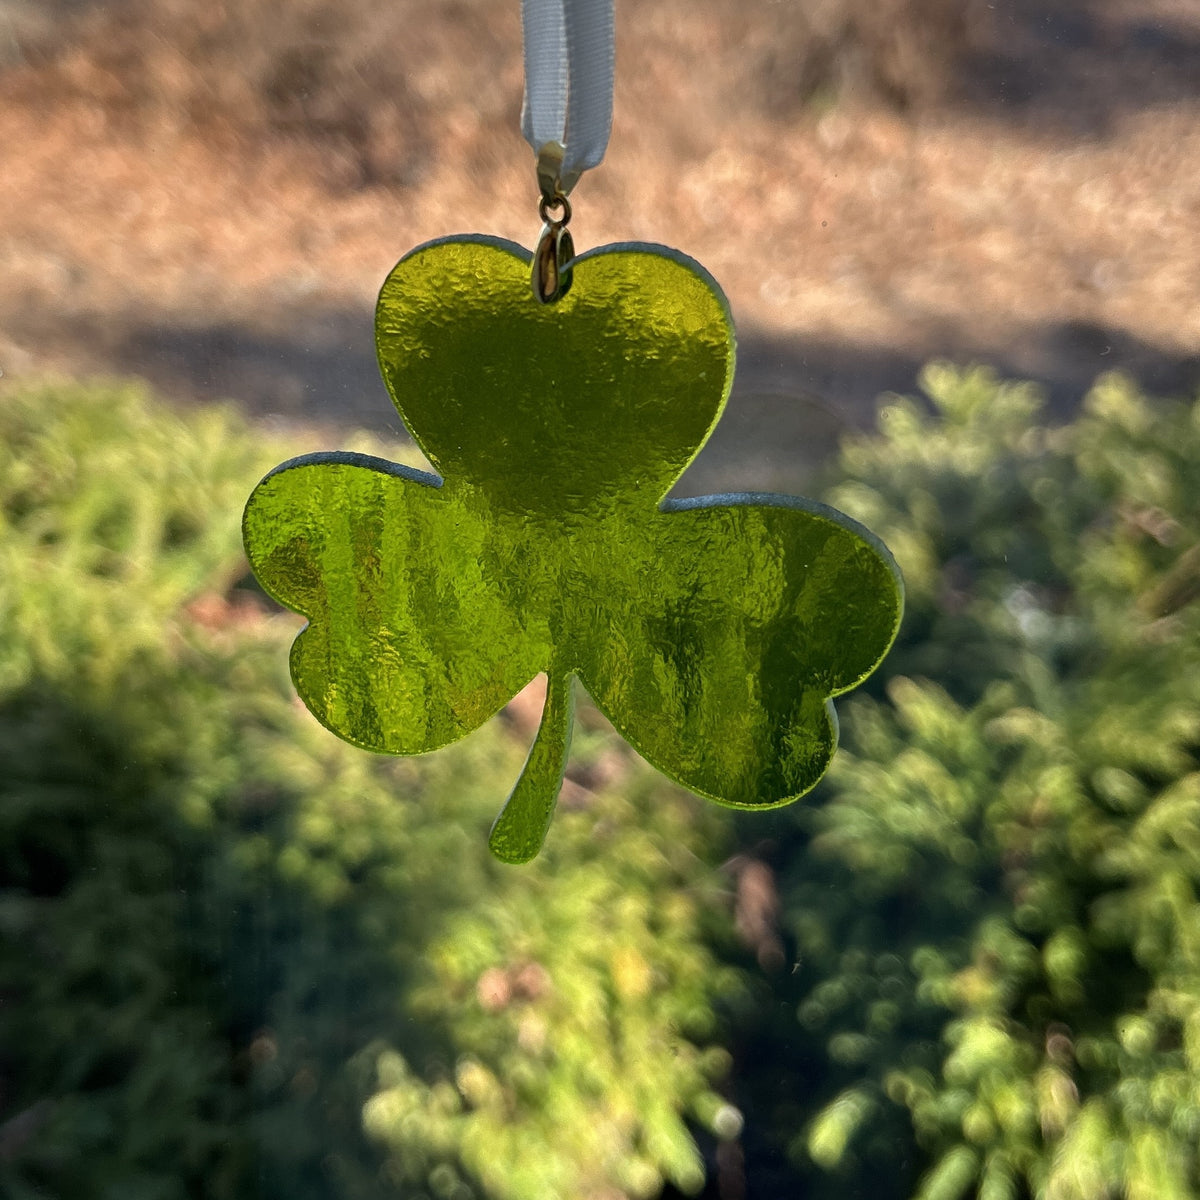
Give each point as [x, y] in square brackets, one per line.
[568, 83]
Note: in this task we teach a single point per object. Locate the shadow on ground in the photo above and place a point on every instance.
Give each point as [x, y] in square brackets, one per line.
[1077, 66]
[792, 398]
[1073, 67]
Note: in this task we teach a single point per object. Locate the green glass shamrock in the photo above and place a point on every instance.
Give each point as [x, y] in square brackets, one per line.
[712, 632]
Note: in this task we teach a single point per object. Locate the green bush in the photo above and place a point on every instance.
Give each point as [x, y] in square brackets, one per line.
[991, 906]
[240, 958]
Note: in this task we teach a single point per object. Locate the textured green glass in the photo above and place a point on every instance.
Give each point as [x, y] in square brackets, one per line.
[712, 633]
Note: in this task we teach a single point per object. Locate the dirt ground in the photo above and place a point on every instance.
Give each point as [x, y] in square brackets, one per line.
[1040, 212]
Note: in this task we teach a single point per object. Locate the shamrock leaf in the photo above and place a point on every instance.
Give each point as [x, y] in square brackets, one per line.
[713, 633]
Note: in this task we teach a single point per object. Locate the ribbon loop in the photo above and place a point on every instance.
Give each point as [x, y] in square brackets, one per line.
[569, 65]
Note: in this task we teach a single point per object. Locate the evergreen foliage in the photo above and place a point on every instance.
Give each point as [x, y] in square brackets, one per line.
[993, 904]
[240, 958]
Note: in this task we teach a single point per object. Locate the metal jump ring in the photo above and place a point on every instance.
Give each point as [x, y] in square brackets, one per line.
[557, 200]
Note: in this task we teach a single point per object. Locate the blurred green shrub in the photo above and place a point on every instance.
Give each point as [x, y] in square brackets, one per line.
[240, 958]
[991, 907]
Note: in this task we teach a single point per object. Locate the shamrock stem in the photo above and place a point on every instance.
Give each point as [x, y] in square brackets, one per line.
[520, 829]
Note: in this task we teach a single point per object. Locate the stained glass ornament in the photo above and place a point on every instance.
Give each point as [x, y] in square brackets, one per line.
[713, 633]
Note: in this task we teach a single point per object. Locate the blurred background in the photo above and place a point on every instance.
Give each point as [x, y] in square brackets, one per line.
[239, 959]
[208, 195]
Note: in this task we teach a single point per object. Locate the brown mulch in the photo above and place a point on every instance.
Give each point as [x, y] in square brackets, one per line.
[1040, 212]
